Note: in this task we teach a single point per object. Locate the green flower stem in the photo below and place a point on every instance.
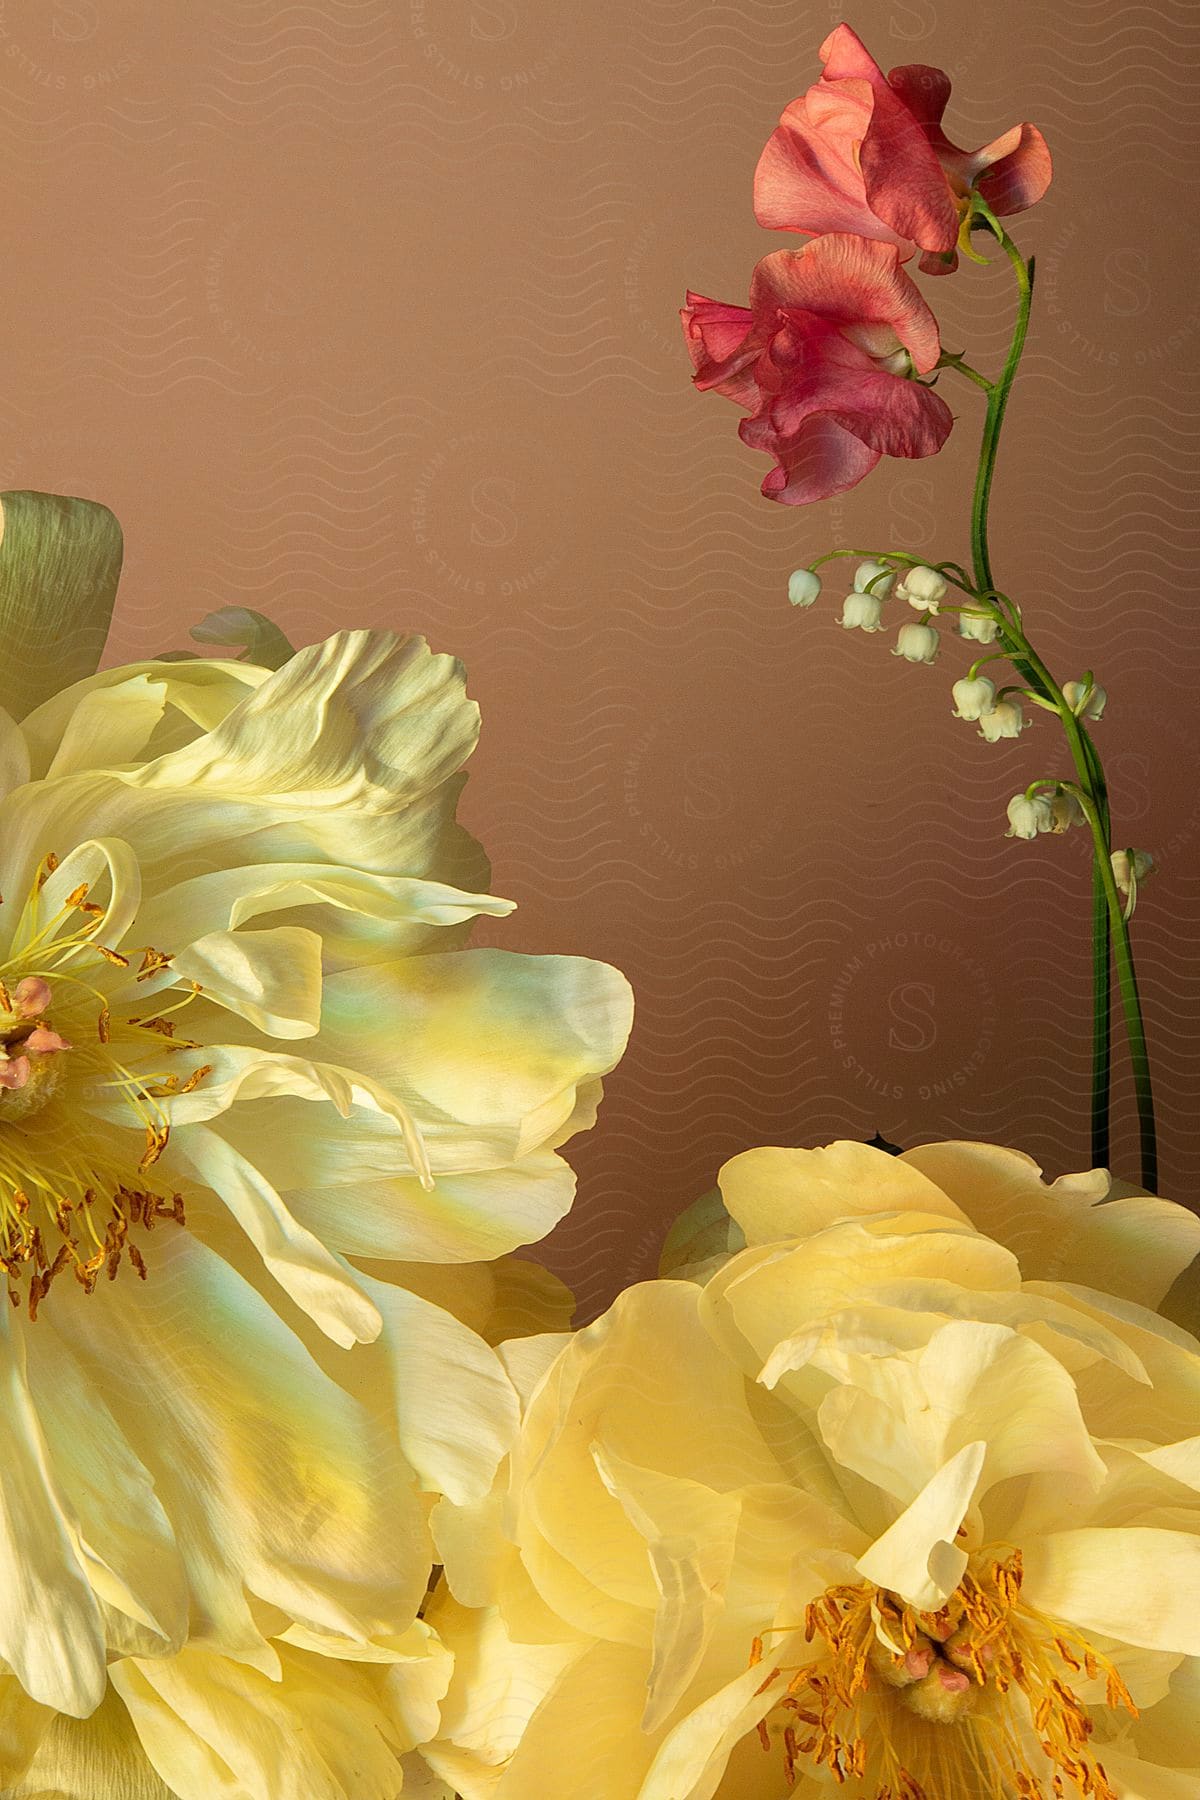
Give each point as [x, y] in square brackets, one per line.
[1110, 930]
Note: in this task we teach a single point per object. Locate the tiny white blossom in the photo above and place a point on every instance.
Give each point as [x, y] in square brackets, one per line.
[803, 587]
[973, 698]
[1006, 720]
[867, 571]
[1091, 707]
[863, 610]
[1027, 817]
[978, 629]
[916, 643]
[1066, 811]
[923, 588]
[1138, 864]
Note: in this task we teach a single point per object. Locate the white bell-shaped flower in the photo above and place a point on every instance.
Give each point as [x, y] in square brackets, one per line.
[874, 572]
[978, 629]
[1066, 811]
[803, 587]
[1085, 702]
[1130, 866]
[1026, 817]
[923, 588]
[973, 698]
[1005, 720]
[864, 611]
[916, 643]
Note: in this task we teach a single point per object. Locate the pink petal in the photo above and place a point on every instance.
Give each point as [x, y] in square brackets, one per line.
[808, 178]
[32, 996]
[722, 350]
[853, 281]
[1019, 175]
[821, 460]
[14, 1072]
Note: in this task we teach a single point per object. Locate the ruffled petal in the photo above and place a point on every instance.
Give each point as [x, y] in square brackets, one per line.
[852, 281]
[917, 1557]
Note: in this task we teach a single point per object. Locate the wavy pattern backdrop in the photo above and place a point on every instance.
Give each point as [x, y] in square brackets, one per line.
[363, 312]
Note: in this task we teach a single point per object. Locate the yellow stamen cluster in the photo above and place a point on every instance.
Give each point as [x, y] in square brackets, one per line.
[57, 1173]
[873, 1705]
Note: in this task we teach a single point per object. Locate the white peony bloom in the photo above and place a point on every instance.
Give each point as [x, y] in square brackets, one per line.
[973, 698]
[1027, 817]
[863, 611]
[243, 1046]
[803, 587]
[923, 588]
[1005, 720]
[916, 643]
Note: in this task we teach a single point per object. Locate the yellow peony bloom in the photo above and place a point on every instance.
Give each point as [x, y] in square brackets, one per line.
[900, 1501]
[242, 1049]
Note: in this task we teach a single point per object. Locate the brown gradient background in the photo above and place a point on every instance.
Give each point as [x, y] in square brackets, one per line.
[362, 312]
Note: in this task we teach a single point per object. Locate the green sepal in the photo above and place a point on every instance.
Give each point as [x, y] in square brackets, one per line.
[252, 637]
[60, 562]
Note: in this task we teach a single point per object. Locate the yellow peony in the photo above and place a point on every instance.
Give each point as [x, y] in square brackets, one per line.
[248, 1073]
[900, 1501]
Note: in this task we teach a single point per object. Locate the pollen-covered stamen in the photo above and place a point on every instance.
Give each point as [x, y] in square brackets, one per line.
[975, 1697]
[70, 1190]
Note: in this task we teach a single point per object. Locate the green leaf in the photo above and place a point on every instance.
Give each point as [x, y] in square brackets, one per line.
[254, 637]
[60, 562]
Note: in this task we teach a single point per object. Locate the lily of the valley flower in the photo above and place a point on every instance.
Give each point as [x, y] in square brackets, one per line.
[813, 361]
[803, 587]
[1005, 720]
[864, 611]
[1065, 811]
[1028, 815]
[916, 643]
[978, 629]
[973, 698]
[861, 152]
[242, 1046]
[1086, 700]
[897, 1499]
[1131, 866]
[874, 578]
[923, 588]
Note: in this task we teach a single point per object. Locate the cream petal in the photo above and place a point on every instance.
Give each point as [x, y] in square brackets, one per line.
[453, 1405]
[606, 1686]
[917, 1557]
[14, 754]
[23, 1726]
[689, 1762]
[97, 1758]
[1133, 1779]
[494, 1041]
[51, 1635]
[1134, 1247]
[122, 1535]
[777, 1193]
[216, 1728]
[110, 868]
[270, 977]
[690, 1535]
[1136, 1583]
[105, 727]
[363, 720]
[277, 1483]
[318, 1281]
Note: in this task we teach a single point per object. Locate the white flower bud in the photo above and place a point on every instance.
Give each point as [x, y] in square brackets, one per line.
[803, 587]
[1136, 863]
[1006, 720]
[867, 571]
[979, 630]
[973, 698]
[1065, 811]
[923, 588]
[916, 643]
[863, 610]
[1092, 707]
[1027, 817]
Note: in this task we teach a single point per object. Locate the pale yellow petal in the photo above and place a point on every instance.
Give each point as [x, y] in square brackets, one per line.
[917, 1557]
[272, 977]
[777, 1193]
[1137, 1584]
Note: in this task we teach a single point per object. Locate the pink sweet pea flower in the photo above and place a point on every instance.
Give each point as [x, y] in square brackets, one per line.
[862, 153]
[821, 360]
